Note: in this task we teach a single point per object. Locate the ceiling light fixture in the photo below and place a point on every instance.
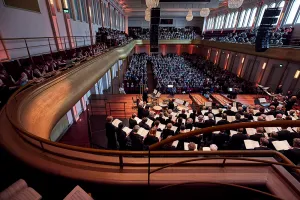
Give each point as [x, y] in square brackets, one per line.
[235, 3]
[189, 16]
[152, 3]
[204, 12]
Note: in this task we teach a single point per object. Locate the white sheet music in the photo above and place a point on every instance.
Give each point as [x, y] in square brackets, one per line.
[174, 128]
[158, 134]
[250, 131]
[270, 129]
[266, 135]
[78, 194]
[204, 111]
[13, 189]
[27, 194]
[255, 118]
[142, 132]
[149, 122]
[270, 117]
[127, 130]
[186, 104]
[116, 122]
[251, 144]
[262, 100]
[234, 109]
[155, 91]
[232, 132]
[179, 101]
[218, 119]
[175, 143]
[161, 126]
[138, 120]
[206, 149]
[205, 117]
[281, 145]
[230, 118]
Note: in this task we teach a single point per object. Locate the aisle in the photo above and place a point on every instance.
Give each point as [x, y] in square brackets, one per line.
[150, 75]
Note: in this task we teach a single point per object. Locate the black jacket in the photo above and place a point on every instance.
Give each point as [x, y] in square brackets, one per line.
[262, 148]
[209, 123]
[161, 120]
[144, 125]
[284, 135]
[218, 115]
[171, 105]
[132, 123]
[121, 137]
[229, 112]
[293, 155]
[256, 137]
[149, 140]
[222, 122]
[145, 113]
[220, 139]
[111, 136]
[236, 142]
[184, 116]
[140, 112]
[136, 142]
[166, 132]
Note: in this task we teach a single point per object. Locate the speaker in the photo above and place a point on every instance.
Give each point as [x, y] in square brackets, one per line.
[155, 15]
[154, 24]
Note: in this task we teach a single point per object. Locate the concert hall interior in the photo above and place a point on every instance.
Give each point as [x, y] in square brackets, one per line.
[151, 99]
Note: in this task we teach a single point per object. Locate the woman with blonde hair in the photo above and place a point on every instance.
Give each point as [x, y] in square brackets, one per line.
[151, 137]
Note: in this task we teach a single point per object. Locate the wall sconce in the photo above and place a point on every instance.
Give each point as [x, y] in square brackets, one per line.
[297, 74]
[227, 56]
[264, 66]
[243, 60]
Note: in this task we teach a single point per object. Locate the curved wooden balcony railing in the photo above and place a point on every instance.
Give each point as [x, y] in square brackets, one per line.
[31, 113]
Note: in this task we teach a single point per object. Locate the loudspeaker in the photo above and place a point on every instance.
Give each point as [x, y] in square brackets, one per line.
[154, 24]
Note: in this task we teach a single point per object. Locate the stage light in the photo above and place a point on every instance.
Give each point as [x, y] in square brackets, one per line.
[264, 66]
[243, 60]
[281, 65]
[297, 74]
[227, 56]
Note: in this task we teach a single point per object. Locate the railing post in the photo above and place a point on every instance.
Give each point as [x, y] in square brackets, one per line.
[121, 162]
[75, 42]
[42, 145]
[28, 50]
[84, 40]
[223, 164]
[50, 46]
[65, 43]
[149, 167]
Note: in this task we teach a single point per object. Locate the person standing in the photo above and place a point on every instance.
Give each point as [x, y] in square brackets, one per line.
[145, 95]
[112, 142]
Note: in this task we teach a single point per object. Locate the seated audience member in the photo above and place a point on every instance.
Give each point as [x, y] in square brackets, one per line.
[274, 103]
[210, 122]
[213, 147]
[161, 118]
[156, 124]
[236, 142]
[223, 121]
[182, 115]
[192, 146]
[22, 81]
[290, 103]
[134, 140]
[220, 139]
[273, 137]
[246, 118]
[151, 137]
[179, 122]
[121, 136]
[237, 118]
[201, 122]
[171, 104]
[279, 110]
[240, 110]
[146, 112]
[279, 117]
[285, 134]
[169, 120]
[264, 143]
[294, 153]
[272, 111]
[167, 131]
[229, 112]
[251, 114]
[209, 111]
[261, 111]
[143, 124]
[132, 121]
[220, 113]
[259, 134]
[112, 142]
[189, 123]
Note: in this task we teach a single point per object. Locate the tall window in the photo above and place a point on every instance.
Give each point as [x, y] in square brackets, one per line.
[252, 16]
[261, 14]
[246, 19]
[240, 24]
[272, 5]
[293, 11]
[83, 10]
[216, 24]
[227, 19]
[95, 11]
[77, 9]
[235, 19]
[230, 24]
[222, 21]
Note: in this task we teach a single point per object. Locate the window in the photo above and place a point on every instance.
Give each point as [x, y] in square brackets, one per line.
[230, 25]
[216, 24]
[252, 16]
[235, 19]
[293, 11]
[77, 9]
[246, 19]
[222, 21]
[95, 11]
[261, 14]
[227, 19]
[241, 19]
[281, 4]
[272, 5]
[83, 10]
[69, 6]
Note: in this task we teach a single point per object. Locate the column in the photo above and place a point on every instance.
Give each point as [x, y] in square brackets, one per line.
[102, 13]
[109, 15]
[68, 23]
[126, 24]
[90, 19]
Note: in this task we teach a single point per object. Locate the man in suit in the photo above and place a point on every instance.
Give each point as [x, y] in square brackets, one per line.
[134, 140]
[140, 110]
[132, 121]
[146, 111]
[143, 124]
[285, 134]
[171, 104]
[223, 120]
[229, 112]
[236, 142]
[263, 144]
[167, 132]
[237, 118]
[112, 142]
[193, 115]
[210, 122]
[294, 153]
[220, 113]
[201, 122]
[246, 117]
[161, 118]
[220, 139]
[259, 134]
[145, 95]
[261, 111]
[209, 110]
[182, 115]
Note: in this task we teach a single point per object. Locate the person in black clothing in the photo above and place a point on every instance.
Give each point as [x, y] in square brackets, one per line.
[240, 110]
[143, 124]
[121, 136]
[112, 142]
[272, 111]
[209, 111]
[179, 122]
[168, 146]
[151, 137]
[132, 121]
[156, 124]
[200, 123]
[237, 118]
[140, 110]
[151, 116]
[285, 134]
[220, 113]
[236, 142]
[171, 104]
[294, 153]
[259, 134]
[223, 120]
[189, 123]
[182, 115]
[273, 137]
[146, 112]
[193, 115]
[290, 103]
[169, 120]
[261, 111]
[229, 112]
[275, 103]
[246, 117]
[167, 132]
[278, 89]
[161, 118]
[134, 140]
[264, 143]
[210, 122]
[220, 139]
[145, 95]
